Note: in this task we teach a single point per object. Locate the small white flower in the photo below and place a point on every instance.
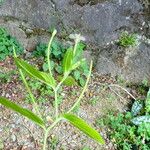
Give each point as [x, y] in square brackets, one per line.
[77, 36]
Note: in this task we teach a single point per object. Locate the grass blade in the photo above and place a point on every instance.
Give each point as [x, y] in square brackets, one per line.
[25, 112]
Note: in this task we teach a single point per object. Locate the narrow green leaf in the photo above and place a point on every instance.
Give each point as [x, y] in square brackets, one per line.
[84, 127]
[25, 112]
[31, 71]
[148, 102]
[67, 61]
[48, 79]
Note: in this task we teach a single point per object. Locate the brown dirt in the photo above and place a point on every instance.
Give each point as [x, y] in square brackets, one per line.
[17, 133]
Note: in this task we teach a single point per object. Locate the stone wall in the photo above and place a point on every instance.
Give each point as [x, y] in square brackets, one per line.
[99, 21]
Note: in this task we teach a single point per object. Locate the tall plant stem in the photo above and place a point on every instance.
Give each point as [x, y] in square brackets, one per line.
[56, 104]
[49, 51]
[30, 93]
[63, 79]
[56, 94]
[47, 132]
[76, 43]
[45, 139]
[27, 87]
[83, 91]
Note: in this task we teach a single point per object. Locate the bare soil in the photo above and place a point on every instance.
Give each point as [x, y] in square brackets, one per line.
[18, 133]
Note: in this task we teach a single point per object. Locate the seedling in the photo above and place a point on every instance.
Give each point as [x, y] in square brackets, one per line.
[7, 42]
[69, 64]
[127, 39]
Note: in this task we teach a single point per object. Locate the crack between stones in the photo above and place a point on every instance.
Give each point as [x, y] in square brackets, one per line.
[54, 5]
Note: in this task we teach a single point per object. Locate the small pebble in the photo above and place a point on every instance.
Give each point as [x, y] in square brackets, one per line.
[13, 138]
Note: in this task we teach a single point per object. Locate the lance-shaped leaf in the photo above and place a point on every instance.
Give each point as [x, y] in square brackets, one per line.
[141, 119]
[67, 61]
[148, 102]
[31, 71]
[25, 112]
[136, 107]
[84, 127]
[48, 79]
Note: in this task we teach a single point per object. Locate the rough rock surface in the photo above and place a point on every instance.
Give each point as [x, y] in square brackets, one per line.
[24, 32]
[132, 64]
[99, 21]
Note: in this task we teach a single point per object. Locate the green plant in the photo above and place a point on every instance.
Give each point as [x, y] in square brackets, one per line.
[143, 87]
[81, 73]
[6, 77]
[1, 2]
[94, 101]
[145, 82]
[127, 39]
[53, 143]
[130, 130]
[57, 50]
[111, 97]
[85, 148]
[68, 64]
[121, 81]
[57, 54]
[76, 109]
[41, 90]
[7, 42]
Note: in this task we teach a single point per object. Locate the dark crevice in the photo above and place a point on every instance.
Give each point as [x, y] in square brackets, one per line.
[54, 5]
[88, 2]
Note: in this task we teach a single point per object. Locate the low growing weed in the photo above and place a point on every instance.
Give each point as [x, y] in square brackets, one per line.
[41, 90]
[94, 101]
[7, 42]
[130, 130]
[69, 64]
[127, 39]
[53, 143]
[85, 148]
[6, 77]
[57, 54]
